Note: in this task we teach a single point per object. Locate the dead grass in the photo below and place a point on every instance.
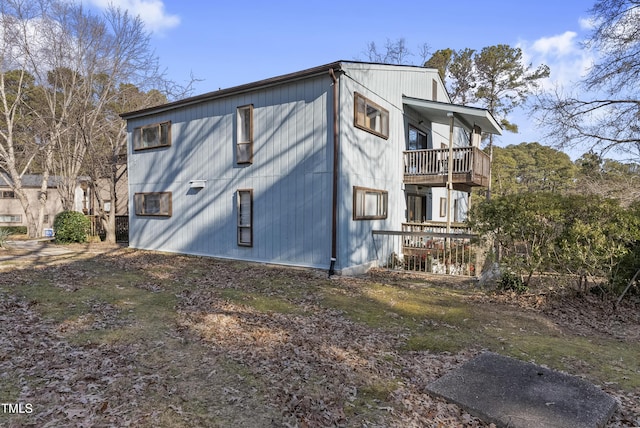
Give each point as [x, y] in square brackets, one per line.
[137, 338]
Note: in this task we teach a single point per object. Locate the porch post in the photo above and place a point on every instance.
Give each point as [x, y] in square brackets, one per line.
[450, 172]
[449, 194]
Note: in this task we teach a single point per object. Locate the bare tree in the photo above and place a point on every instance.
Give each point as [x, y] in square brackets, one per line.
[602, 113]
[24, 140]
[395, 52]
[78, 62]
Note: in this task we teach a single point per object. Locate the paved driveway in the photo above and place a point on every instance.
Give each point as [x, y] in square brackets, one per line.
[32, 249]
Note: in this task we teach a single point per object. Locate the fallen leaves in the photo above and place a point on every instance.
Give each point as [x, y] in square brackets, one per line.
[228, 359]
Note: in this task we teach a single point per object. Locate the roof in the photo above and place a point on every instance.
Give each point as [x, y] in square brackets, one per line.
[435, 111]
[35, 180]
[465, 116]
[336, 66]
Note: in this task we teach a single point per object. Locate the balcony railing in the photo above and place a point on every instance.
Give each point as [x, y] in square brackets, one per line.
[431, 252]
[431, 167]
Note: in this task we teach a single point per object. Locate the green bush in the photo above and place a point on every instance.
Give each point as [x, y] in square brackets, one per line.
[512, 282]
[14, 230]
[587, 237]
[4, 234]
[71, 226]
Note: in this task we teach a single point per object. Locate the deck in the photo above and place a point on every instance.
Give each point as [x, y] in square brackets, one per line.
[431, 167]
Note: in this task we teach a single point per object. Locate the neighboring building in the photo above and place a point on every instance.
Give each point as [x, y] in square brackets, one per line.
[12, 213]
[301, 169]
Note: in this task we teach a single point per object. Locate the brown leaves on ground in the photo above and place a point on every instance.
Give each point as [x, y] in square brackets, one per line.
[229, 357]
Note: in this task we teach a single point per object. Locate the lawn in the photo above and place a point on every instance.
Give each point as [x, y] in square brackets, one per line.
[117, 337]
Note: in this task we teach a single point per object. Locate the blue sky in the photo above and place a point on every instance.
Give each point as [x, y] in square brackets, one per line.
[229, 43]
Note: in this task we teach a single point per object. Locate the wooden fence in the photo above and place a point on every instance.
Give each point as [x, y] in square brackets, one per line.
[122, 227]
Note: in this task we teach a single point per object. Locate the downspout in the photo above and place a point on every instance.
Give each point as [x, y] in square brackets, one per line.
[336, 146]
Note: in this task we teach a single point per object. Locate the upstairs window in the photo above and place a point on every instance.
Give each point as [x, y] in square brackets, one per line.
[417, 139]
[152, 136]
[153, 204]
[7, 194]
[369, 204]
[371, 117]
[244, 136]
[245, 217]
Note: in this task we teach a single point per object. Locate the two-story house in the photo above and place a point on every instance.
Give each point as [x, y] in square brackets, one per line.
[300, 169]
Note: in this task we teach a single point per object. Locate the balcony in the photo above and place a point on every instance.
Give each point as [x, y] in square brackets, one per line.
[430, 168]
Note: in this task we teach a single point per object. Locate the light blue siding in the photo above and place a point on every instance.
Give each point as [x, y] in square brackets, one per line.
[292, 171]
[290, 177]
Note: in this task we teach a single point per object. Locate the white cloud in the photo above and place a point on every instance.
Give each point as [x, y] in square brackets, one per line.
[567, 59]
[152, 12]
[587, 23]
[559, 45]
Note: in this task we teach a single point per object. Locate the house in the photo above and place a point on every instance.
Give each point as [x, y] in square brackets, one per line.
[12, 212]
[301, 169]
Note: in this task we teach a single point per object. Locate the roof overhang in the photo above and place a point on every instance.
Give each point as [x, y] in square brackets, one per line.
[464, 116]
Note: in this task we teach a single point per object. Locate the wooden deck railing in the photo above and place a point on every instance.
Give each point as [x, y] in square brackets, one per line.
[430, 252]
[470, 166]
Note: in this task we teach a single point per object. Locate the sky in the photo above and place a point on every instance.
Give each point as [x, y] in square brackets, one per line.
[229, 43]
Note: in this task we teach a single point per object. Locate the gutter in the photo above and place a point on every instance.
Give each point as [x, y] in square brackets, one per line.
[336, 147]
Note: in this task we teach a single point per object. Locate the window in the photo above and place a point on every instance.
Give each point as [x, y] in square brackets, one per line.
[10, 218]
[434, 90]
[417, 139]
[7, 194]
[369, 204]
[416, 208]
[371, 117]
[153, 204]
[443, 207]
[245, 217]
[244, 136]
[152, 136]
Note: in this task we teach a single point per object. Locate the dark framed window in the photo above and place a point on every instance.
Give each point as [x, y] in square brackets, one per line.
[417, 139]
[153, 204]
[7, 194]
[416, 208]
[371, 117]
[369, 204]
[244, 135]
[245, 217]
[152, 136]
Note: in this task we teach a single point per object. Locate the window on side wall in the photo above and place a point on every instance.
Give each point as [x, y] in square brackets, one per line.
[244, 135]
[371, 117]
[153, 204]
[10, 218]
[443, 207]
[369, 204]
[245, 217]
[7, 194]
[152, 136]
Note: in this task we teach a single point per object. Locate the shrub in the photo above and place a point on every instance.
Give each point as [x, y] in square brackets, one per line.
[71, 226]
[4, 234]
[512, 282]
[15, 230]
